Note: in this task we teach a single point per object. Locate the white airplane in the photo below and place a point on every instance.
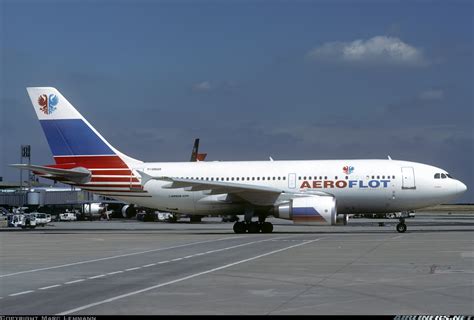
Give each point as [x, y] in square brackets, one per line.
[322, 192]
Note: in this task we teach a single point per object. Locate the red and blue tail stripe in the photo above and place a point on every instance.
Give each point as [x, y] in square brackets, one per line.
[75, 143]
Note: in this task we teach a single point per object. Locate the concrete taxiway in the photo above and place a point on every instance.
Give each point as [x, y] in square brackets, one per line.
[130, 267]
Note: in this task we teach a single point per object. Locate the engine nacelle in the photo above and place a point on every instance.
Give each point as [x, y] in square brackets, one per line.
[94, 209]
[129, 211]
[308, 210]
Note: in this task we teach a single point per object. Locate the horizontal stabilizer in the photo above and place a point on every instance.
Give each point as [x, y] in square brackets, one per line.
[79, 174]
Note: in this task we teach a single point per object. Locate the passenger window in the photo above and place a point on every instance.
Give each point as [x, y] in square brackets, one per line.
[436, 176]
[284, 178]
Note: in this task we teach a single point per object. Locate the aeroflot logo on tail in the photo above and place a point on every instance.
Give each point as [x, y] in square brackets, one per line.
[361, 184]
[48, 104]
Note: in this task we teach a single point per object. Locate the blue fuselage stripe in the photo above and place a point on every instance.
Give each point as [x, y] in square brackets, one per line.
[68, 137]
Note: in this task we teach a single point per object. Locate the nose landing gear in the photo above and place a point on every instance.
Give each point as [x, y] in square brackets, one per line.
[401, 226]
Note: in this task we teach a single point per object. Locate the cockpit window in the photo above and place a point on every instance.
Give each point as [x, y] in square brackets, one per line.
[449, 176]
[436, 176]
[443, 176]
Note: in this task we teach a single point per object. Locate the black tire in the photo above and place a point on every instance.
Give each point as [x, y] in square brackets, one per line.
[401, 227]
[267, 227]
[194, 219]
[253, 227]
[239, 227]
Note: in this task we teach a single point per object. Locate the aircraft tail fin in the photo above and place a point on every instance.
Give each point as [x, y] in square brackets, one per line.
[71, 138]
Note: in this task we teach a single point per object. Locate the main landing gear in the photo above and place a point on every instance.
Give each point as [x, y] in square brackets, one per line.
[253, 227]
[401, 226]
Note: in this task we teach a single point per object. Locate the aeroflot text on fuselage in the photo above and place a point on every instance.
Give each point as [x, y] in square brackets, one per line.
[328, 184]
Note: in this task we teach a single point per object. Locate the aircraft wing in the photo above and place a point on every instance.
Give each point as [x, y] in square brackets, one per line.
[80, 175]
[257, 195]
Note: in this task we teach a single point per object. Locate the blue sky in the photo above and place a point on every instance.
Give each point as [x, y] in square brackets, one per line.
[252, 79]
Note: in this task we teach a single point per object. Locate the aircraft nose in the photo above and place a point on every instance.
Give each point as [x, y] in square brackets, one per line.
[461, 187]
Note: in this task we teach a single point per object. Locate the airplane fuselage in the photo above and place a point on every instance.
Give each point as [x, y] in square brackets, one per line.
[359, 186]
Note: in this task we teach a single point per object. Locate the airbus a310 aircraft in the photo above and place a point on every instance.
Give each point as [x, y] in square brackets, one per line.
[322, 192]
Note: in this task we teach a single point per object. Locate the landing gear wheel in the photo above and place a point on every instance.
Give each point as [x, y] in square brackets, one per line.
[401, 227]
[239, 227]
[267, 227]
[253, 227]
[195, 219]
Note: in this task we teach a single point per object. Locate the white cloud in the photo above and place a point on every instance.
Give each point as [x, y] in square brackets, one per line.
[203, 86]
[431, 94]
[215, 85]
[376, 50]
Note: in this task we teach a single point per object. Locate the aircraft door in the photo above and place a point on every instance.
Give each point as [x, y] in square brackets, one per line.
[408, 178]
[292, 180]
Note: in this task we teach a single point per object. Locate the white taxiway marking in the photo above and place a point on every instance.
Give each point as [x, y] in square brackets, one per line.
[75, 281]
[149, 265]
[397, 237]
[115, 272]
[99, 276]
[182, 279]
[161, 262]
[131, 269]
[114, 257]
[19, 293]
[50, 287]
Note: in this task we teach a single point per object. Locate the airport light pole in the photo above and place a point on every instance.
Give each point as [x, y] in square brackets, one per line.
[25, 153]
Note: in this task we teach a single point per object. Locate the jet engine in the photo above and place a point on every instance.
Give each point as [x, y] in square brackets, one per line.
[93, 209]
[319, 210]
[129, 211]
